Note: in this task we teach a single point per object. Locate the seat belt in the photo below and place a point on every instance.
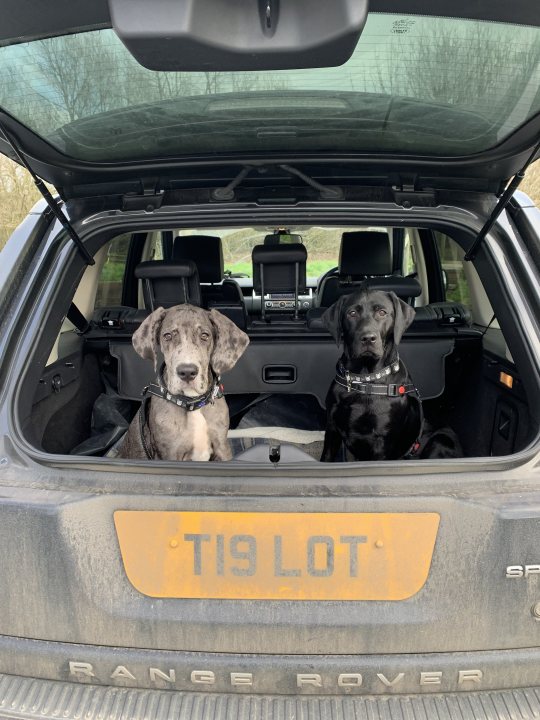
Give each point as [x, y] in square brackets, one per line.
[398, 237]
[75, 316]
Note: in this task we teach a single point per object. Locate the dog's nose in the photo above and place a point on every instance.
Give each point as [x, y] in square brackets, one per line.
[187, 372]
[368, 338]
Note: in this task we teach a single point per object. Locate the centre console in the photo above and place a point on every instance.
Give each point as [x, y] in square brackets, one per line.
[284, 302]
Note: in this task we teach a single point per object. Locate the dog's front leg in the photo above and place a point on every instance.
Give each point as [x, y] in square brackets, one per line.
[332, 443]
[221, 449]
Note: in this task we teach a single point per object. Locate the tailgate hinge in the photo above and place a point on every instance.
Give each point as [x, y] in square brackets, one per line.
[149, 199]
[408, 195]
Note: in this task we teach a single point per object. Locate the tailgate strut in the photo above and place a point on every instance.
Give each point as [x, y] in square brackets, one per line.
[503, 201]
[51, 202]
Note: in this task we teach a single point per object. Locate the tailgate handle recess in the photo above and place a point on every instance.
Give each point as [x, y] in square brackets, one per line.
[279, 374]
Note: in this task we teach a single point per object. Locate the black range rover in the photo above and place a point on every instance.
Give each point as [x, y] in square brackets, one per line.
[383, 142]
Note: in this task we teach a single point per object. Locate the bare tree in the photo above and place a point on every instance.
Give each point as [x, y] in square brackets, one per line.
[17, 195]
[76, 76]
[64, 65]
[466, 65]
[531, 183]
[238, 82]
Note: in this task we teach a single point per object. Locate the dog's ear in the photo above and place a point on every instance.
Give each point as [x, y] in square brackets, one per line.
[229, 342]
[403, 316]
[146, 338]
[332, 319]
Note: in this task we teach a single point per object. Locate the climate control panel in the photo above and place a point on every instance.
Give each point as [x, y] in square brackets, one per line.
[286, 301]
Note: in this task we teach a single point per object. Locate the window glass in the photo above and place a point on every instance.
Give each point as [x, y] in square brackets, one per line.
[414, 84]
[409, 255]
[452, 264]
[109, 289]
[322, 245]
[154, 247]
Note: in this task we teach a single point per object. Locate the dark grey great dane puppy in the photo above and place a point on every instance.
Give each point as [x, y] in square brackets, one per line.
[185, 416]
[372, 405]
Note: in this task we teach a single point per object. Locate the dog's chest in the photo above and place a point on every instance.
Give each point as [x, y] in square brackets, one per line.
[376, 428]
[180, 435]
[197, 427]
[355, 416]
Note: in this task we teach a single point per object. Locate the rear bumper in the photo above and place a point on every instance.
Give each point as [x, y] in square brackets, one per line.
[29, 698]
[292, 676]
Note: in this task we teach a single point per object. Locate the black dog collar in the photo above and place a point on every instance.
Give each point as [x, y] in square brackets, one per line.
[214, 392]
[390, 390]
[372, 377]
[367, 385]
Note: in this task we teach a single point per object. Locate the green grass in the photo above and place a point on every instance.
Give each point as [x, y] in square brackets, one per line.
[459, 293]
[318, 267]
[112, 271]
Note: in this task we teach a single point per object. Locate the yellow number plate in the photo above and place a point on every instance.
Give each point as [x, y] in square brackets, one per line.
[277, 556]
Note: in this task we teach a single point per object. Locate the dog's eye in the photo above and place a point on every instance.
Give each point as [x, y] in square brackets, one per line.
[381, 312]
[352, 313]
[205, 336]
[167, 336]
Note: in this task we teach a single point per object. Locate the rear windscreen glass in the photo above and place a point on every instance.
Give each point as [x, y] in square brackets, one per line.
[414, 85]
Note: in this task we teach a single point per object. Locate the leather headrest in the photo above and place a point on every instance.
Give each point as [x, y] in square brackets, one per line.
[280, 264]
[273, 254]
[205, 251]
[169, 282]
[403, 287]
[156, 269]
[365, 252]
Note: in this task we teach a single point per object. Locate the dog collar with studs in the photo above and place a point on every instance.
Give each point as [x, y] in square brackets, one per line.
[367, 384]
[214, 392]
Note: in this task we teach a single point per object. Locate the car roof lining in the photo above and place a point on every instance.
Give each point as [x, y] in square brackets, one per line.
[25, 20]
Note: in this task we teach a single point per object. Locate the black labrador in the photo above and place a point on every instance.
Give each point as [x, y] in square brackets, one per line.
[372, 406]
